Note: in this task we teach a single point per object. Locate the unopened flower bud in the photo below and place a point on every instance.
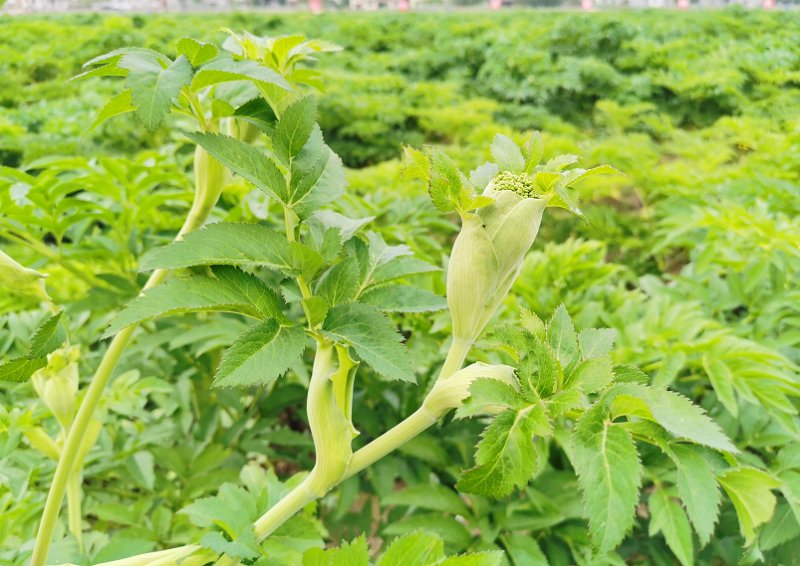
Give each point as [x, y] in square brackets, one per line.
[57, 384]
[471, 278]
[488, 254]
[450, 393]
[20, 279]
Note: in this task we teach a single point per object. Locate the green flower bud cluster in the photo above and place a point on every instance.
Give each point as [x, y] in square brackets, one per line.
[519, 183]
[57, 384]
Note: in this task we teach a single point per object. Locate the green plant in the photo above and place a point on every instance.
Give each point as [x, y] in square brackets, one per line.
[689, 260]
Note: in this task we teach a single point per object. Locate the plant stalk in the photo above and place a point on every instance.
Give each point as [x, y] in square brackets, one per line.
[311, 488]
[400, 434]
[66, 463]
[74, 505]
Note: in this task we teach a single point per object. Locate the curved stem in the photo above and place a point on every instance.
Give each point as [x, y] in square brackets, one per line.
[416, 423]
[419, 421]
[66, 463]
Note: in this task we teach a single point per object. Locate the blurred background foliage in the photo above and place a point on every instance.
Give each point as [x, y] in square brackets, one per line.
[693, 256]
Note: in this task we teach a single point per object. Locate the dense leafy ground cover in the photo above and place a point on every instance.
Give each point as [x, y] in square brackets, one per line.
[691, 258]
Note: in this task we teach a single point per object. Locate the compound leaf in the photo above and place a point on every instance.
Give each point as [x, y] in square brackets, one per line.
[261, 355]
[373, 336]
[230, 289]
[154, 87]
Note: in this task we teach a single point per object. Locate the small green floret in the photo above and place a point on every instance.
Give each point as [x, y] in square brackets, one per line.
[519, 183]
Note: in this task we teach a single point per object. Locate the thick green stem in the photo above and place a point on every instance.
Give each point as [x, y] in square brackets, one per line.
[284, 509]
[74, 505]
[391, 440]
[66, 463]
[413, 425]
[459, 348]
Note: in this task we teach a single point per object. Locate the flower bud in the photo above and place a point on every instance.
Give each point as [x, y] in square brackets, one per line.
[19, 279]
[450, 393]
[488, 253]
[471, 278]
[57, 384]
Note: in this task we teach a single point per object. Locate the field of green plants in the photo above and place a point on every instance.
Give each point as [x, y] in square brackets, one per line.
[519, 288]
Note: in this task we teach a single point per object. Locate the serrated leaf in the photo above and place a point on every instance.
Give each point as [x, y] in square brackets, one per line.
[228, 243]
[21, 369]
[294, 128]
[489, 396]
[668, 518]
[671, 364]
[749, 489]
[445, 185]
[244, 160]
[116, 106]
[680, 416]
[562, 337]
[230, 289]
[559, 162]
[591, 375]
[48, 337]
[261, 355]
[347, 227]
[225, 69]
[153, 87]
[609, 475]
[578, 175]
[540, 372]
[401, 267]
[507, 154]
[535, 150]
[339, 283]
[259, 113]
[505, 455]
[415, 164]
[403, 298]
[244, 547]
[596, 342]
[197, 52]
[415, 549]
[781, 529]
[317, 176]
[433, 497]
[721, 379]
[232, 510]
[624, 373]
[448, 528]
[483, 174]
[355, 553]
[293, 539]
[524, 550]
[373, 336]
[697, 489]
[485, 558]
